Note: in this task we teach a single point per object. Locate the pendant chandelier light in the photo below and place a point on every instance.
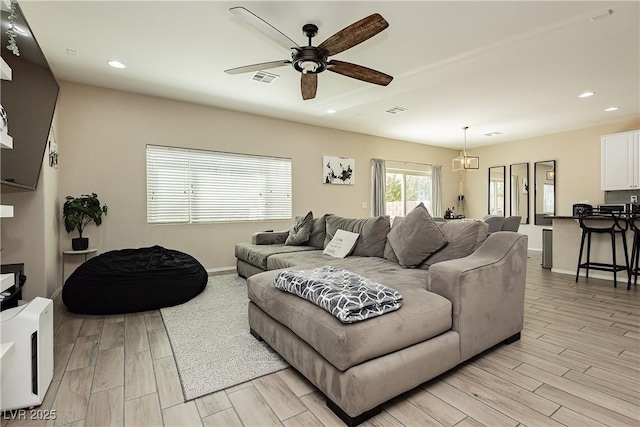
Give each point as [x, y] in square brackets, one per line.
[465, 160]
[551, 174]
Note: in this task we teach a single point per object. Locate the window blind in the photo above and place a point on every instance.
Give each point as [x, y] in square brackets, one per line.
[186, 185]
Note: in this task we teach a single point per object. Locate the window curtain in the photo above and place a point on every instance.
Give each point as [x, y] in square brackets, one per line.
[436, 190]
[378, 186]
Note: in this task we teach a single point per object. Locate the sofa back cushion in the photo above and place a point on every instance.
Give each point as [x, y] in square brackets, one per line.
[319, 232]
[373, 233]
[464, 238]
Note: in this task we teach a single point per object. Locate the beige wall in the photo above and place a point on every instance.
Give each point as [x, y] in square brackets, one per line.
[577, 156]
[102, 140]
[102, 134]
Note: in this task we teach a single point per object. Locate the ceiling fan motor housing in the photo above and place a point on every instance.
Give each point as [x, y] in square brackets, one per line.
[309, 60]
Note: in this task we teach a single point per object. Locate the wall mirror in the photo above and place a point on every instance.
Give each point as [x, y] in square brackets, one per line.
[545, 191]
[496, 190]
[519, 185]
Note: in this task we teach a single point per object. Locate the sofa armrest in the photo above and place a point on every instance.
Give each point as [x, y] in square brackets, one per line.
[486, 290]
[269, 237]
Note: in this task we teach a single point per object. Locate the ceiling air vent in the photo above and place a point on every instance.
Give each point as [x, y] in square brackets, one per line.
[264, 77]
[494, 133]
[396, 110]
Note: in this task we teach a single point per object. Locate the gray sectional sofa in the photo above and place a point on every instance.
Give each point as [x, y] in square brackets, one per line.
[462, 299]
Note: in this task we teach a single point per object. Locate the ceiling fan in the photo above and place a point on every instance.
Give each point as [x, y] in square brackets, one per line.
[312, 60]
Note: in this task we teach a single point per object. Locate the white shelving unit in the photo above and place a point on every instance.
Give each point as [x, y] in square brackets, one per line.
[5, 70]
[6, 211]
[7, 281]
[6, 141]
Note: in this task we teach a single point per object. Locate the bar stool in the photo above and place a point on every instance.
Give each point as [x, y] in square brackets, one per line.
[634, 268]
[602, 222]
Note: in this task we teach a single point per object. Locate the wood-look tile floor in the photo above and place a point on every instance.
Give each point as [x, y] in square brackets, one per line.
[577, 364]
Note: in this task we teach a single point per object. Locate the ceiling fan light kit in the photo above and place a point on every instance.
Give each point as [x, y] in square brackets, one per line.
[313, 60]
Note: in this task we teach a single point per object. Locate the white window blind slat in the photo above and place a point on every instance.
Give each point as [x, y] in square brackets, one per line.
[185, 185]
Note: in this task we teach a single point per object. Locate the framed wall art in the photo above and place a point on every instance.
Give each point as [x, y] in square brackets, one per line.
[338, 170]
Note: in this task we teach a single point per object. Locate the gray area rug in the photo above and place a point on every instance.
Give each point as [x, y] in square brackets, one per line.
[211, 341]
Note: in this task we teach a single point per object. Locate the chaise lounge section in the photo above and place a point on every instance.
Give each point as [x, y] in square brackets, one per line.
[468, 299]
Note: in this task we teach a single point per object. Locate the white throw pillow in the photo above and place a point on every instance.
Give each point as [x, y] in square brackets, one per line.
[342, 244]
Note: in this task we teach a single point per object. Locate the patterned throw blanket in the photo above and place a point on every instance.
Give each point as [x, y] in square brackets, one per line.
[343, 293]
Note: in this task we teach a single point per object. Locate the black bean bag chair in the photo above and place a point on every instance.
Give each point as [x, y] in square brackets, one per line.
[132, 280]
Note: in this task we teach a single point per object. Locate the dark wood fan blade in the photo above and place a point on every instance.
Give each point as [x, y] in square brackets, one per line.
[264, 27]
[359, 72]
[354, 34]
[309, 85]
[257, 67]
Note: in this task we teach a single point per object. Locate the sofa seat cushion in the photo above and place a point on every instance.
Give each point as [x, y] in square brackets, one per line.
[423, 315]
[257, 255]
[299, 259]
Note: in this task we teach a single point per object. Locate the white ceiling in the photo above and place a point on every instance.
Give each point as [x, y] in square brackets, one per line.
[514, 67]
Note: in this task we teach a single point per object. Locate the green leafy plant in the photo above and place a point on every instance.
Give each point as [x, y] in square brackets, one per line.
[80, 211]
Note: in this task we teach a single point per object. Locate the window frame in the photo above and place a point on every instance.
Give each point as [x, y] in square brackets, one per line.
[404, 170]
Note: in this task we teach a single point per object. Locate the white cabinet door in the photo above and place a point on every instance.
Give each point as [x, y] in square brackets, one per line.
[619, 162]
[636, 158]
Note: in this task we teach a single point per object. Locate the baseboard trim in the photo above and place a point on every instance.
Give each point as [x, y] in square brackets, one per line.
[55, 293]
[622, 276]
[221, 270]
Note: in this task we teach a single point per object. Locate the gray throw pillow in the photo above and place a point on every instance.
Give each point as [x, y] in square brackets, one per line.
[300, 230]
[416, 237]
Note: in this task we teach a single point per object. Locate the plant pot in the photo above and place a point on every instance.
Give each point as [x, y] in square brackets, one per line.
[80, 243]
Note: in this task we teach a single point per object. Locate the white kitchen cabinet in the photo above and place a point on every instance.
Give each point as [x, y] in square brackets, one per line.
[620, 161]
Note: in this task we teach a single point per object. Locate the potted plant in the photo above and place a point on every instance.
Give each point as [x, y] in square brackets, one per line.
[80, 211]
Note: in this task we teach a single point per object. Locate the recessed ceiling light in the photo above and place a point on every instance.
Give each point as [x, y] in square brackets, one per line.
[586, 94]
[331, 111]
[116, 64]
[611, 108]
